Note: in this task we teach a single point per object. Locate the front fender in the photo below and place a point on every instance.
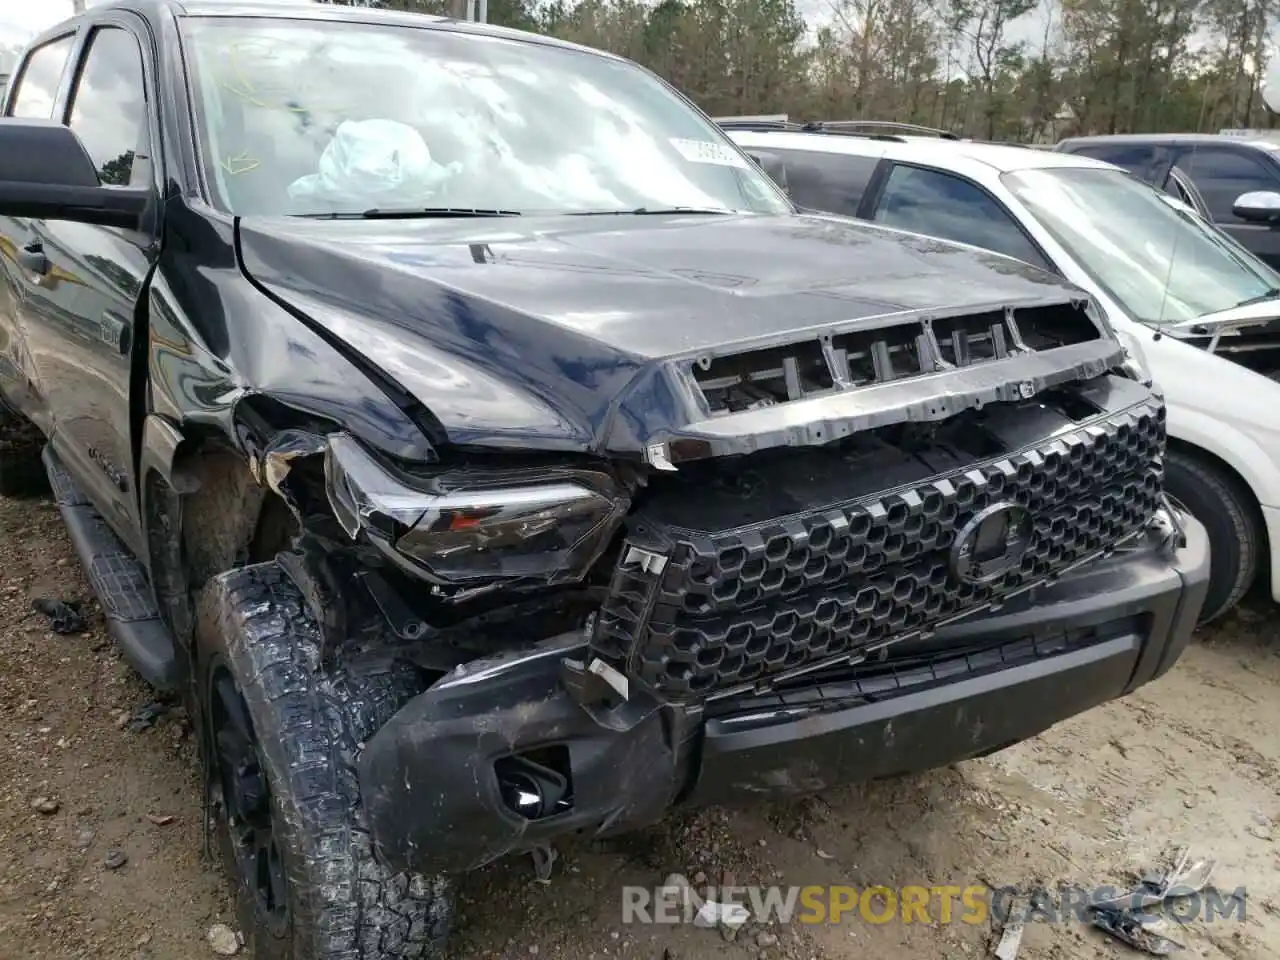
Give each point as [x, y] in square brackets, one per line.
[1238, 449]
[161, 440]
[212, 347]
[471, 404]
[1247, 457]
[1222, 408]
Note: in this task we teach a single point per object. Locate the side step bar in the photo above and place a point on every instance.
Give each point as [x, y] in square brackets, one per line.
[118, 579]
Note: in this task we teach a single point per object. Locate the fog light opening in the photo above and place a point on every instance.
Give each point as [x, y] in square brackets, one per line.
[537, 784]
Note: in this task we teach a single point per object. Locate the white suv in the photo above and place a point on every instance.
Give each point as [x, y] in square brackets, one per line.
[1196, 309]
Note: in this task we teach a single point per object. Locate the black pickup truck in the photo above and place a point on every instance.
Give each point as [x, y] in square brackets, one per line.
[490, 454]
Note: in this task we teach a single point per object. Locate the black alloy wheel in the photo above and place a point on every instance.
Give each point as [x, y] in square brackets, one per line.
[246, 804]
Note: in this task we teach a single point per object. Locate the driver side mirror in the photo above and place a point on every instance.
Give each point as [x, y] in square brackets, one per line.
[46, 174]
[1257, 206]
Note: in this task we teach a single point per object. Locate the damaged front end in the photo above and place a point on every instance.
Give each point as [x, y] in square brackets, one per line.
[869, 552]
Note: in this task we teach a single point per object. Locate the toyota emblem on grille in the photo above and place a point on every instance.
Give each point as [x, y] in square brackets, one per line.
[991, 544]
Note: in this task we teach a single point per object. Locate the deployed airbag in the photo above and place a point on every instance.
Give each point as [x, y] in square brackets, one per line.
[375, 162]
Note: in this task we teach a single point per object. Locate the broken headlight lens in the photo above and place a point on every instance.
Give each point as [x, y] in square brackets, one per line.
[473, 525]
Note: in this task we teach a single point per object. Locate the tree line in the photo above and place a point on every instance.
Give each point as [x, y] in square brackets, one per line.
[1095, 66]
[968, 66]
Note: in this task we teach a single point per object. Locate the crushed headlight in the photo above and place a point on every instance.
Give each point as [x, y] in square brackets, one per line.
[472, 525]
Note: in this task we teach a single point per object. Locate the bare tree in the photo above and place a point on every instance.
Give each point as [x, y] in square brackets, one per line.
[986, 24]
[1117, 65]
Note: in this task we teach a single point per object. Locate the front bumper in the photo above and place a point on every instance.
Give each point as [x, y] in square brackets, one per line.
[432, 778]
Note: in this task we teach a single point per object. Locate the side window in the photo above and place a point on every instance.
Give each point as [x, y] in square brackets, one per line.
[940, 205]
[36, 86]
[831, 182]
[1134, 157]
[109, 104]
[1221, 174]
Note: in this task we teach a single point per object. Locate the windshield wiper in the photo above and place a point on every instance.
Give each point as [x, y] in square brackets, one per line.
[649, 211]
[1272, 294]
[410, 213]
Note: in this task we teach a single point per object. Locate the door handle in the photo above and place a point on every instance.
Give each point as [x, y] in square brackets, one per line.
[32, 258]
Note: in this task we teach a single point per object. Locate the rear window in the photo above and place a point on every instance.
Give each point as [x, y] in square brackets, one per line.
[1134, 157]
[36, 87]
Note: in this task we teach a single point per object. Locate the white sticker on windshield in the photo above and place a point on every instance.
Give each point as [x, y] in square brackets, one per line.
[704, 151]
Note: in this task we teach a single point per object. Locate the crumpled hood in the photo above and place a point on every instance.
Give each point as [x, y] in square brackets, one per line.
[533, 332]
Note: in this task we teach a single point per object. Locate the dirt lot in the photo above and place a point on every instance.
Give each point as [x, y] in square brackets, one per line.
[1192, 759]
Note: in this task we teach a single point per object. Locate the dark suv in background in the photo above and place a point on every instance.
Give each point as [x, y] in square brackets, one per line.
[1211, 172]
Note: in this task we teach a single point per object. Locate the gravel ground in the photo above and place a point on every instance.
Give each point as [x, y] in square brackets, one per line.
[100, 836]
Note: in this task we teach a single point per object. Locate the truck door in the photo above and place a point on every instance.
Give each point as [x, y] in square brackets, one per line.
[85, 292]
[33, 93]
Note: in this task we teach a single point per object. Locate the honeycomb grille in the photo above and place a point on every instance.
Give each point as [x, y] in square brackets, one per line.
[734, 607]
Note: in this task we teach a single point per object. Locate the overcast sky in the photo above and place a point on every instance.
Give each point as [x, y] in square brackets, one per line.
[20, 19]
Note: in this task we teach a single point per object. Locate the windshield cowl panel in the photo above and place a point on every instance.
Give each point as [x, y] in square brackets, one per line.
[1160, 264]
[310, 117]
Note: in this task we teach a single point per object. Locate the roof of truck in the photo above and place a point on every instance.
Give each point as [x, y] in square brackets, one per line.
[1002, 157]
[1192, 138]
[293, 8]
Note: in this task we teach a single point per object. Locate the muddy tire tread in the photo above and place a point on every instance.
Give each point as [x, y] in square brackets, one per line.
[311, 724]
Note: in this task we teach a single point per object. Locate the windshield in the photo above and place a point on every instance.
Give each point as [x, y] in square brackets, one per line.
[313, 117]
[1160, 264]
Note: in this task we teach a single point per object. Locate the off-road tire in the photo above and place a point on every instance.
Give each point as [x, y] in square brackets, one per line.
[310, 722]
[22, 473]
[1230, 517]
